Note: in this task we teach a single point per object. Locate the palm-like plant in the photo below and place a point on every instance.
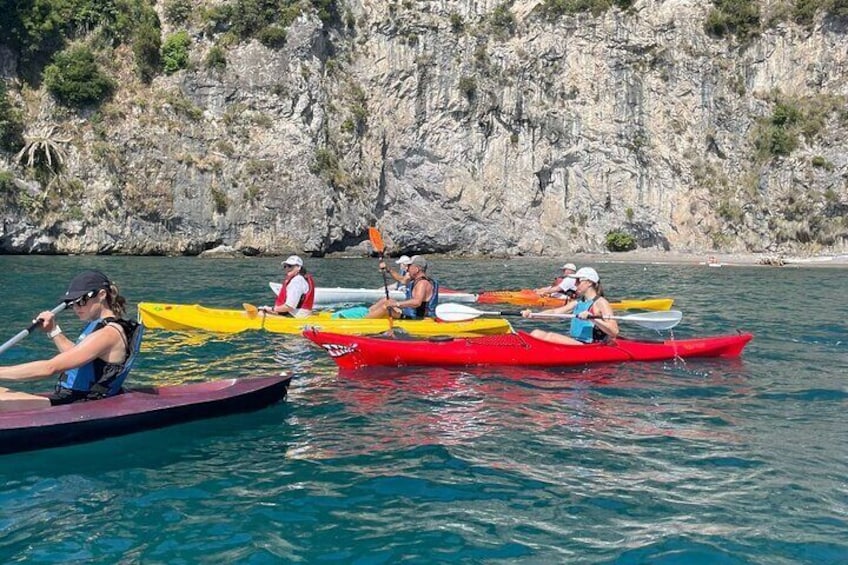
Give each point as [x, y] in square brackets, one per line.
[43, 151]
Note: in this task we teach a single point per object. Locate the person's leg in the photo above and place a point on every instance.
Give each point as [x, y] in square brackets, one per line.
[554, 337]
[11, 401]
[378, 310]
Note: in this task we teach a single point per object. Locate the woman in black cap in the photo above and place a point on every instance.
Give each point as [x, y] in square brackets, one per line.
[96, 365]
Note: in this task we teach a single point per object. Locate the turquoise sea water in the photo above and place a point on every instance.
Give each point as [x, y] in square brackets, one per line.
[711, 461]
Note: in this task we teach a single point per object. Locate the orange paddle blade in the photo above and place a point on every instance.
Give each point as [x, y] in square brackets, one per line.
[376, 239]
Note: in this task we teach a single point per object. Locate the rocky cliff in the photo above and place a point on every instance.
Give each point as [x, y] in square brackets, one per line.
[458, 126]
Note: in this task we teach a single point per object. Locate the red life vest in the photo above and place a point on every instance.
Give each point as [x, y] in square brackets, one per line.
[306, 301]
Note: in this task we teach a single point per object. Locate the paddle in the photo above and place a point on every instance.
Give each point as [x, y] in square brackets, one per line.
[451, 312]
[35, 323]
[376, 239]
[252, 312]
[377, 242]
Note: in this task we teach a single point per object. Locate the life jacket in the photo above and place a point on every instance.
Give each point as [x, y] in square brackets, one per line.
[425, 309]
[306, 301]
[582, 330]
[98, 378]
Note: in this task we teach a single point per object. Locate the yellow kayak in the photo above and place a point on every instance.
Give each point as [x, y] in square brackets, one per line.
[193, 317]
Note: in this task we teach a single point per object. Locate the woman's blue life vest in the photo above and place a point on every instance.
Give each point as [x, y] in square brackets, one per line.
[425, 309]
[582, 330]
[97, 377]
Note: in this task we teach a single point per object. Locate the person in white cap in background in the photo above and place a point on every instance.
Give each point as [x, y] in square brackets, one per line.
[592, 319]
[297, 295]
[563, 287]
[401, 276]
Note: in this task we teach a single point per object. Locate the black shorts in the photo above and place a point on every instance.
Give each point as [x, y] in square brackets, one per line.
[64, 395]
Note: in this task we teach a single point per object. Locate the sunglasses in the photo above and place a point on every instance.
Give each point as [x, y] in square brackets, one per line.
[289, 266]
[83, 300]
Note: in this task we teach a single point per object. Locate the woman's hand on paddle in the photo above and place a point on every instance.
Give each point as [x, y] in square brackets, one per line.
[526, 313]
[382, 266]
[48, 321]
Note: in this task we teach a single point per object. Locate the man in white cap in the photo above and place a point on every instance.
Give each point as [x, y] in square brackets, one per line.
[297, 294]
[593, 315]
[563, 286]
[401, 276]
[422, 296]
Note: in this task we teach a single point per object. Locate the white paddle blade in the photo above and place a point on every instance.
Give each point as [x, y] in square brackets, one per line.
[655, 320]
[453, 312]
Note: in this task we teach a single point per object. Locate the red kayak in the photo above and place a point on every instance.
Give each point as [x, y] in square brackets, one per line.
[354, 352]
[135, 410]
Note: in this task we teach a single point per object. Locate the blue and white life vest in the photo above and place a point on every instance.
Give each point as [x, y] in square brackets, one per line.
[98, 377]
[582, 330]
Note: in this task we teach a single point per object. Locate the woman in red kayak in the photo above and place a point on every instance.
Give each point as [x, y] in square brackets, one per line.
[592, 319]
[96, 365]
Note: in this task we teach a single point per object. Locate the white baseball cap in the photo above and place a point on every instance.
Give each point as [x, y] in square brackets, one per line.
[570, 266]
[294, 260]
[404, 260]
[587, 273]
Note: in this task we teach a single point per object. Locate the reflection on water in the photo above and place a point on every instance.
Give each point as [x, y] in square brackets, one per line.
[394, 408]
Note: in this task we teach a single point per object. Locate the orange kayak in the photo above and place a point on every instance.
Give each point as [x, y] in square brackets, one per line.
[527, 297]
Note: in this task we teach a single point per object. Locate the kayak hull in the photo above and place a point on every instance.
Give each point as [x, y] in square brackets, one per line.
[136, 410]
[326, 296]
[519, 348]
[527, 297]
[193, 317]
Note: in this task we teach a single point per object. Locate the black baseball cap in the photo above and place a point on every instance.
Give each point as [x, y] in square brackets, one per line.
[84, 283]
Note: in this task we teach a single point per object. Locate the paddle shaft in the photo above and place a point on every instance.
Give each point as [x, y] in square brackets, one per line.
[653, 320]
[552, 316]
[23, 333]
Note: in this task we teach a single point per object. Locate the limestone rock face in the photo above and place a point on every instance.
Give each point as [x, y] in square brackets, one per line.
[459, 134]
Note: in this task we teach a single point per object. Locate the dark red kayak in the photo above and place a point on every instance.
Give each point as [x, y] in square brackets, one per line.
[354, 352]
[136, 410]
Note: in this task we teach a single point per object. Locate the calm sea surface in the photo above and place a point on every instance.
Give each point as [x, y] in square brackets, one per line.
[713, 461]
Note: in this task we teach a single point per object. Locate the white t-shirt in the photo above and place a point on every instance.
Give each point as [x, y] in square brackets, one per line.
[567, 284]
[295, 290]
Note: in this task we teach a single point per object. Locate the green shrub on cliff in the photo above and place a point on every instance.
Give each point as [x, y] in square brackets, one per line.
[838, 8]
[11, 127]
[75, 78]
[147, 44]
[779, 134]
[553, 9]
[620, 241]
[177, 11]
[38, 29]
[175, 52]
[740, 18]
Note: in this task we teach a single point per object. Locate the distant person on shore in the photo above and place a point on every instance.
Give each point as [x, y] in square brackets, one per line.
[564, 285]
[93, 367]
[590, 303]
[297, 295]
[401, 276]
[422, 296]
